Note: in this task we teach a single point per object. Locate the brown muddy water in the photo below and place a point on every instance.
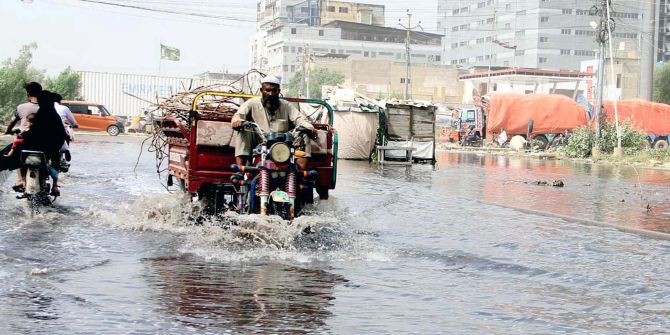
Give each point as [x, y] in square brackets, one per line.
[420, 250]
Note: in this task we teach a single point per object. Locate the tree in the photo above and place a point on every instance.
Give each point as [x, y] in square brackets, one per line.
[67, 84]
[317, 78]
[13, 75]
[662, 84]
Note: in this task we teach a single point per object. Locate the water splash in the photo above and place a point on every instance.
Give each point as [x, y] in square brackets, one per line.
[231, 237]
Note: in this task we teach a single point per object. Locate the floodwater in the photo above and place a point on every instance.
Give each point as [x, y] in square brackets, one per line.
[420, 250]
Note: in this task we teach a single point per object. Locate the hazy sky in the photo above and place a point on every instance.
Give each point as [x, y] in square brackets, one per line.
[94, 36]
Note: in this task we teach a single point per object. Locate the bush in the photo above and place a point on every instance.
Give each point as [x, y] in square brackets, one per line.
[579, 143]
[631, 139]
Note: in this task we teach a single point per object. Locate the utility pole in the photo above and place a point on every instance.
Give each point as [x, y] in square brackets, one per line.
[308, 60]
[303, 78]
[602, 36]
[647, 58]
[409, 28]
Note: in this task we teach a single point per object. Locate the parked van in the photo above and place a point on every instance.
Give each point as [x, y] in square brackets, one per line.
[94, 116]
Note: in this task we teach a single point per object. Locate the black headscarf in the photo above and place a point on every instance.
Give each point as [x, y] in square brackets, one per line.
[46, 132]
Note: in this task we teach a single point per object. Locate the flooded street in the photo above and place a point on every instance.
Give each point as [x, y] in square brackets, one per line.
[420, 250]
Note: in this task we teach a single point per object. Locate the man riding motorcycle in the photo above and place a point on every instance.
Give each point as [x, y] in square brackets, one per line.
[271, 114]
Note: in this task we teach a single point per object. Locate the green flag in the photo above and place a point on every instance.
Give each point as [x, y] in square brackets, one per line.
[170, 53]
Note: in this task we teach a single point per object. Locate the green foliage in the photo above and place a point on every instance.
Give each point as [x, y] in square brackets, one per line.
[67, 84]
[317, 78]
[662, 84]
[14, 73]
[631, 139]
[579, 143]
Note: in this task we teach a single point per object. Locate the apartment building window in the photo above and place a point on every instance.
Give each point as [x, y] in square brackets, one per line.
[585, 33]
[565, 51]
[585, 53]
[462, 61]
[508, 26]
[402, 81]
[566, 32]
[304, 10]
[480, 58]
[331, 9]
[465, 9]
[581, 12]
[520, 33]
[454, 28]
[487, 57]
[299, 49]
[285, 68]
[622, 15]
[544, 39]
[454, 62]
[490, 20]
[544, 19]
[519, 52]
[438, 58]
[489, 39]
[481, 5]
[366, 54]
[463, 43]
[567, 11]
[464, 27]
[293, 31]
[455, 12]
[542, 60]
[344, 10]
[332, 51]
[521, 12]
[292, 68]
[489, 3]
[454, 45]
[480, 40]
[285, 48]
[293, 49]
[625, 35]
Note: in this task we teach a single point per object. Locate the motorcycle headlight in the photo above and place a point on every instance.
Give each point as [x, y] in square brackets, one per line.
[280, 153]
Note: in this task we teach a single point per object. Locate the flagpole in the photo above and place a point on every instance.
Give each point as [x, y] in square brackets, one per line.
[160, 58]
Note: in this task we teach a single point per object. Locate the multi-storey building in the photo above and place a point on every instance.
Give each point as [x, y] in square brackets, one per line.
[547, 34]
[663, 27]
[284, 42]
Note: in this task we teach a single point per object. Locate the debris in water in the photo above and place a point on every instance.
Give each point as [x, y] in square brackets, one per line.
[649, 207]
[38, 271]
[558, 183]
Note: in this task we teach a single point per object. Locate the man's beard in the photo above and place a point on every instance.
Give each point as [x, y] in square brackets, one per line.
[271, 102]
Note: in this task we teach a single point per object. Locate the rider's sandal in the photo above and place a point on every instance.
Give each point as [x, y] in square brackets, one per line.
[18, 188]
[55, 193]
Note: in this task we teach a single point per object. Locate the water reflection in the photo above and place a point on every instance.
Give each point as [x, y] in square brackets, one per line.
[614, 194]
[268, 297]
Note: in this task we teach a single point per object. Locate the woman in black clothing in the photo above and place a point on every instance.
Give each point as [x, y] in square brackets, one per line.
[46, 134]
